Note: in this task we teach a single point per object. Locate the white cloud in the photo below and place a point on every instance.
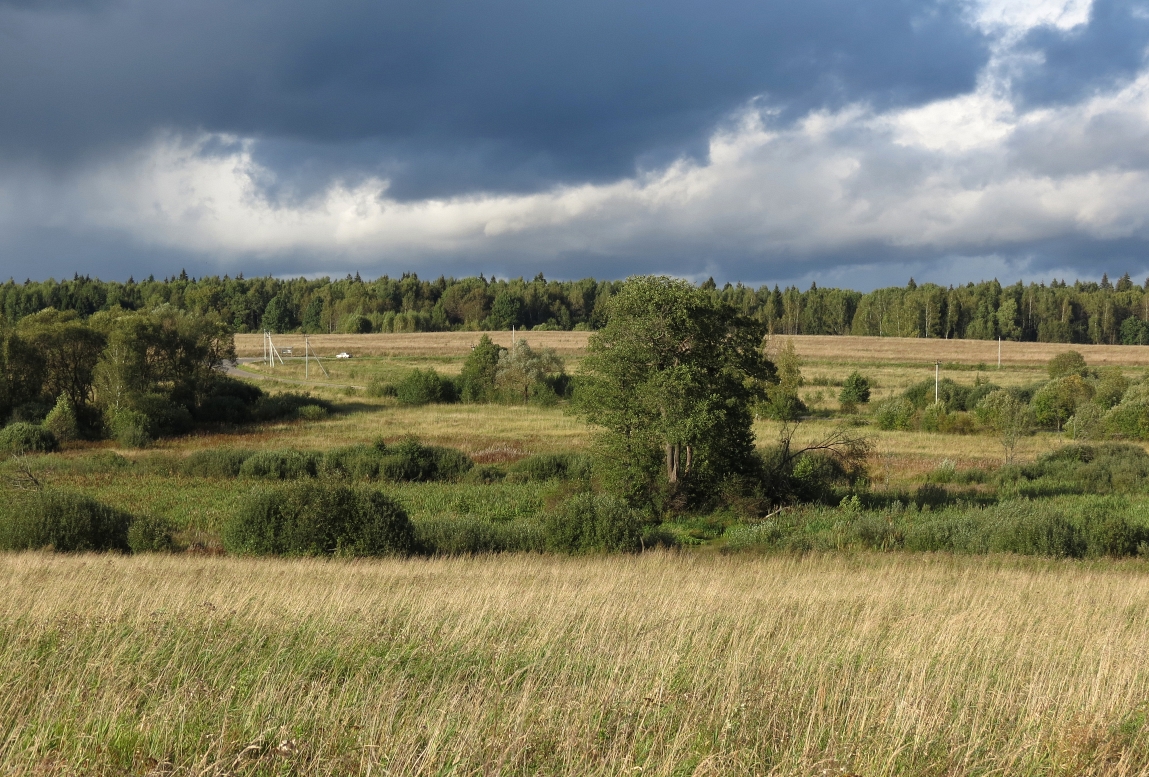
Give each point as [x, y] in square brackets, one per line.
[973, 175]
[1018, 16]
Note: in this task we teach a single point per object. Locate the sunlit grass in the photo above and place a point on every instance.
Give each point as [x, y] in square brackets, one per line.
[662, 664]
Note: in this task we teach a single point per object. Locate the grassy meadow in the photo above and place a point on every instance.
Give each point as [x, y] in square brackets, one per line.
[665, 664]
[734, 653]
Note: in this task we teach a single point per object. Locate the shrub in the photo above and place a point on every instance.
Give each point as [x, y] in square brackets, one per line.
[410, 460]
[311, 413]
[150, 534]
[61, 422]
[894, 414]
[319, 519]
[856, 390]
[471, 534]
[22, 437]
[354, 462]
[287, 405]
[63, 521]
[215, 463]
[477, 379]
[229, 401]
[280, 465]
[378, 388]
[129, 428]
[163, 418]
[588, 523]
[485, 474]
[550, 466]
[1066, 364]
[1047, 533]
[422, 387]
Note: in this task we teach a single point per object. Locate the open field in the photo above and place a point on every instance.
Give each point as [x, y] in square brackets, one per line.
[662, 664]
[415, 344]
[726, 656]
[815, 348]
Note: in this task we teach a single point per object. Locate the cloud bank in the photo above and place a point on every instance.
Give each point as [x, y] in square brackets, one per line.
[954, 142]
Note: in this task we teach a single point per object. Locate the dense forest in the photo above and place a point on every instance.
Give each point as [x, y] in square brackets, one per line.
[1084, 312]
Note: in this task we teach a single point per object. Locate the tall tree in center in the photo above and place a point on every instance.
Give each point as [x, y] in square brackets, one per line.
[671, 379]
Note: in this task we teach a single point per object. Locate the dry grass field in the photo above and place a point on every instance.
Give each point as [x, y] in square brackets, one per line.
[813, 348]
[417, 344]
[701, 661]
[660, 664]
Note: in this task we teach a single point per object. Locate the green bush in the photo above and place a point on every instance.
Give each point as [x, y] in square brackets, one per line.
[61, 422]
[470, 534]
[894, 414]
[163, 418]
[280, 465]
[856, 390]
[485, 474]
[215, 463]
[22, 437]
[129, 428]
[380, 388]
[422, 387]
[354, 462]
[63, 521]
[311, 413]
[315, 519]
[1066, 364]
[151, 534]
[287, 405]
[590, 523]
[550, 466]
[410, 460]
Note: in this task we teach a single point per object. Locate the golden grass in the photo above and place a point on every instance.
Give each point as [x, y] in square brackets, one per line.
[418, 344]
[813, 348]
[660, 664]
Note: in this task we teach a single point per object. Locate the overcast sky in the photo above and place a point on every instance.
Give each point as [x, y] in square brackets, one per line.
[844, 142]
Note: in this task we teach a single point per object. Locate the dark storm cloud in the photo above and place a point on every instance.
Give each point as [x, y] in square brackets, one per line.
[1074, 63]
[447, 96]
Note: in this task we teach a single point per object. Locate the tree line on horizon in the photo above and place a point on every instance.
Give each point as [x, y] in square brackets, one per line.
[1082, 312]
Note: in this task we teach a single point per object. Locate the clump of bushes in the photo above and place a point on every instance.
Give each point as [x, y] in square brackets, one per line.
[594, 523]
[896, 414]
[61, 421]
[305, 519]
[855, 390]
[215, 463]
[280, 465]
[63, 521]
[470, 534]
[410, 460]
[151, 534]
[422, 387]
[23, 437]
[550, 466]
[1074, 527]
[287, 405]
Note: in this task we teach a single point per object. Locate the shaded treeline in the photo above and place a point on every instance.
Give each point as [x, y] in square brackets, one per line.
[1084, 312]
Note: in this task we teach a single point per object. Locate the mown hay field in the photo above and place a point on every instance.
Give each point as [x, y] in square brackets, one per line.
[660, 664]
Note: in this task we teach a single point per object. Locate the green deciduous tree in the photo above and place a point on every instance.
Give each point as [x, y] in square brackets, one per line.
[522, 368]
[1057, 400]
[670, 379]
[1008, 416]
[477, 380]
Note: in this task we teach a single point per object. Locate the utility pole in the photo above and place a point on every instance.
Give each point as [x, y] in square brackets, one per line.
[999, 352]
[305, 357]
[937, 374]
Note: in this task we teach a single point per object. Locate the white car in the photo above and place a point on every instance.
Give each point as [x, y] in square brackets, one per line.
[343, 355]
